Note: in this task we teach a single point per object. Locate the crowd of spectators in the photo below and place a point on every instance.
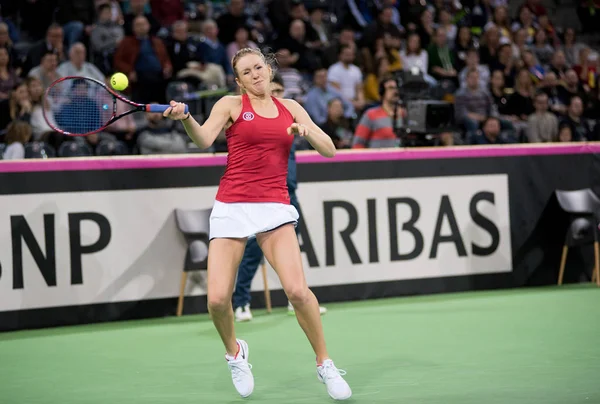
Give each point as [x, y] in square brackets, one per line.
[508, 72]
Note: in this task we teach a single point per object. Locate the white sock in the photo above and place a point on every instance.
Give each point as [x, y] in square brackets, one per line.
[232, 358]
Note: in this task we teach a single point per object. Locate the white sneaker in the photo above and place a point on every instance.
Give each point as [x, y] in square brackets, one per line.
[242, 377]
[331, 376]
[243, 314]
[292, 312]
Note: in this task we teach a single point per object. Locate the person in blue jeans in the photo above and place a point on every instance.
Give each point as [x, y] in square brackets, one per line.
[253, 255]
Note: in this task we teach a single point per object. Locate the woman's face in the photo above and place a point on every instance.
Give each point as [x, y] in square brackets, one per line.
[21, 93]
[253, 74]
[241, 35]
[335, 109]
[36, 89]
[413, 43]
[464, 34]
[565, 135]
[524, 79]
[497, 79]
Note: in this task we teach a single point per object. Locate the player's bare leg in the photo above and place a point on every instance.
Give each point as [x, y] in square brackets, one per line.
[224, 256]
[281, 249]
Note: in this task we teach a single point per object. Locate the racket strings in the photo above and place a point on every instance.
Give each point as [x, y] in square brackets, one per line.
[79, 106]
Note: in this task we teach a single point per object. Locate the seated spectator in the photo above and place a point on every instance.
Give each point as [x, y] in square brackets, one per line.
[331, 53]
[489, 46]
[536, 71]
[160, 137]
[5, 42]
[18, 133]
[144, 59]
[580, 127]
[211, 50]
[571, 47]
[293, 81]
[565, 134]
[413, 56]
[542, 50]
[461, 46]
[520, 102]
[53, 43]
[296, 41]
[506, 63]
[519, 43]
[550, 86]
[8, 75]
[182, 48]
[490, 133]
[241, 40]
[77, 66]
[376, 126]
[542, 125]
[571, 87]
[16, 107]
[317, 99]
[40, 129]
[47, 71]
[472, 62]
[558, 64]
[526, 21]
[442, 62]
[105, 37]
[472, 104]
[499, 93]
[336, 126]
[347, 78]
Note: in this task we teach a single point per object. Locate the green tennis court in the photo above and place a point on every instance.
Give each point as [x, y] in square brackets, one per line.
[519, 346]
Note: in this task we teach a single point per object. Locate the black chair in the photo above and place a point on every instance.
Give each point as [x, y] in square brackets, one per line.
[74, 148]
[39, 150]
[583, 207]
[194, 225]
[111, 148]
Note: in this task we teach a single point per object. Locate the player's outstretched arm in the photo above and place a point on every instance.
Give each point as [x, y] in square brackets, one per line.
[305, 126]
[202, 135]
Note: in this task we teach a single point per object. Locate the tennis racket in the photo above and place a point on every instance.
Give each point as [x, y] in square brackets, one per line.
[81, 106]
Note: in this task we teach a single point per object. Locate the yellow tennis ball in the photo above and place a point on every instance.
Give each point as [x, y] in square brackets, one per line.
[119, 81]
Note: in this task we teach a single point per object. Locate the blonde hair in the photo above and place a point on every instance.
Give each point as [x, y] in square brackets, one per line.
[268, 58]
[18, 131]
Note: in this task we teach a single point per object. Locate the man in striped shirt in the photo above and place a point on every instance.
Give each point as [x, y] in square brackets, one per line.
[375, 128]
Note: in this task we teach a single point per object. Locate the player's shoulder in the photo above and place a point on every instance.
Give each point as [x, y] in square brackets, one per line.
[290, 104]
[231, 100]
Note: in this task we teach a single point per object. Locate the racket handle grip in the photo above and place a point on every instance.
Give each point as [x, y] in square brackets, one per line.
[161, 108]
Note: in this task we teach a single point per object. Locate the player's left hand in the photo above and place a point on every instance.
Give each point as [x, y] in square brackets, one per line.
[297, 128]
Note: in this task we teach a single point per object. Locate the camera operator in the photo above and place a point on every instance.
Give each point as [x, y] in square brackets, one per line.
[376, 126]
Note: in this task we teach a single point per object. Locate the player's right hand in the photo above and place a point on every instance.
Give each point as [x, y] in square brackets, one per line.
[176, 112]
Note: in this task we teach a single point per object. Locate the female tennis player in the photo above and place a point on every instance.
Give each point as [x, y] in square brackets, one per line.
[253, 201]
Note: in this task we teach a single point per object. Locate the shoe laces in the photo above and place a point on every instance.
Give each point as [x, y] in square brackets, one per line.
[330, 372]
[239, 369]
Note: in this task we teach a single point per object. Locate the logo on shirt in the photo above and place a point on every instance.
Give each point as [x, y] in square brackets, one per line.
[248, 116]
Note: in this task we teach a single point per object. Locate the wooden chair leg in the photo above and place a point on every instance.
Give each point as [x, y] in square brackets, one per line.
[181, 293]
[563, 261]
[266, 286]
[597, 262]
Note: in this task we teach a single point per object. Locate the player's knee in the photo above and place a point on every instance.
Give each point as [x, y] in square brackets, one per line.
[218, 303]
[298, 295]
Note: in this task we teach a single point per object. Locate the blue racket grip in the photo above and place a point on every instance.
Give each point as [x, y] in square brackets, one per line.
[161, 108]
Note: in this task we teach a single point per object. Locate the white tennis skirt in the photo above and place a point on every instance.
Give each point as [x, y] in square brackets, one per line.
[246, 220]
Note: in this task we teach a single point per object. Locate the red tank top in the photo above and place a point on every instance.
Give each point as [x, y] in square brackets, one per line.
[257, 161]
